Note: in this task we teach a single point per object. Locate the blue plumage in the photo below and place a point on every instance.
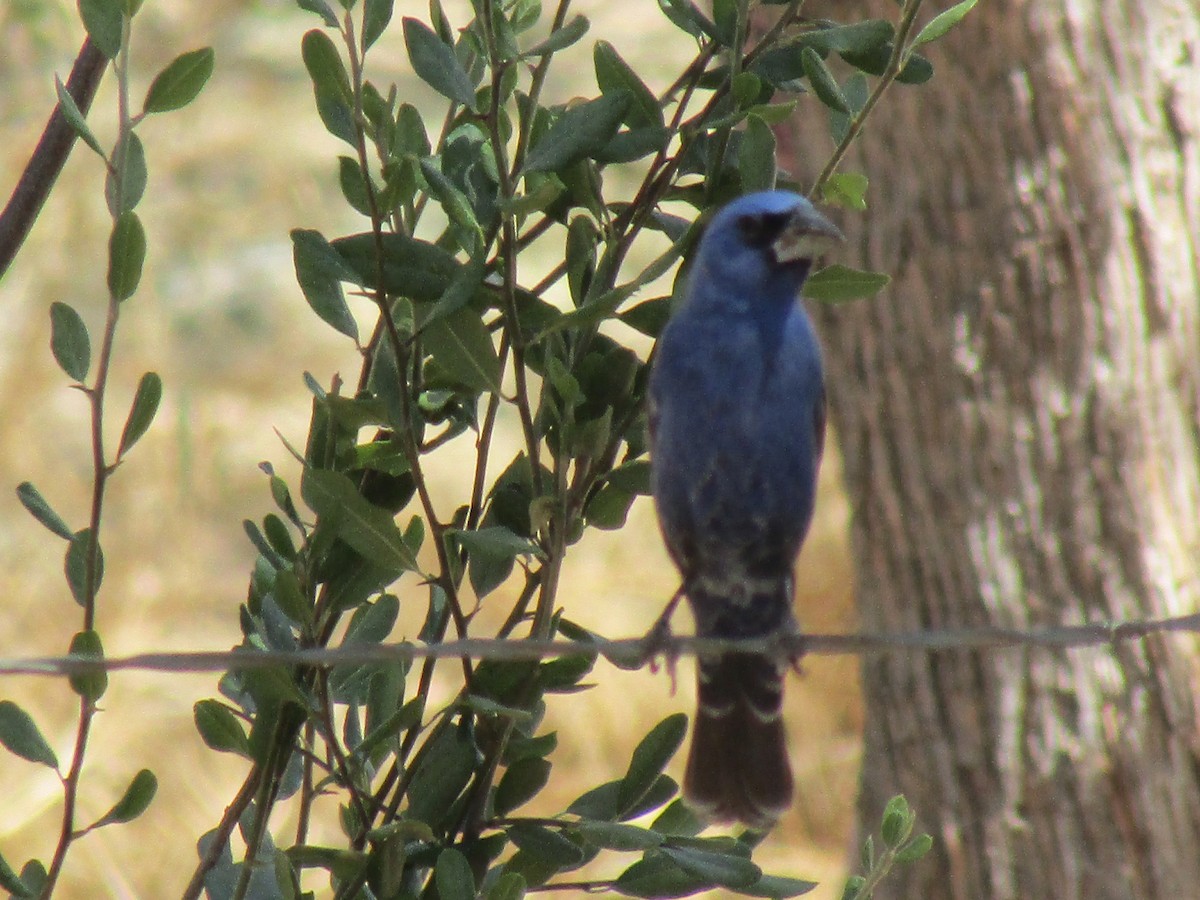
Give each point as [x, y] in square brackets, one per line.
[737, 422]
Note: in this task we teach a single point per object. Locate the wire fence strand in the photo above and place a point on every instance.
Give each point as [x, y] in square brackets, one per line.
[624, 652]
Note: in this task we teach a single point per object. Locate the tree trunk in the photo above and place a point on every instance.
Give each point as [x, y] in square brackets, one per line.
[1020, 419]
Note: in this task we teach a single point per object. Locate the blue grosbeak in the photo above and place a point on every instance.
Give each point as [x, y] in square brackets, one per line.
[737, 425]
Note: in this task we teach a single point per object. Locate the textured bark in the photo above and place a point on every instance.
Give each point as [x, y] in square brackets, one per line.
[1020, 419]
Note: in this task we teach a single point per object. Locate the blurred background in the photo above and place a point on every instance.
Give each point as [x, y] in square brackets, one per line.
[220, 318]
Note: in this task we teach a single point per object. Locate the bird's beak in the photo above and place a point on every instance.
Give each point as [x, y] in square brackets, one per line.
[807, 236]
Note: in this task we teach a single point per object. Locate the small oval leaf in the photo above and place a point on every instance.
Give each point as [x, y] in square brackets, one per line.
[134, 801]
[823, 83]
[580, 131]
[32, 499]
[615, 76]
[756, 156]
[452, 874]
[180, 82]
[367, 528]
[126, 253]
[838, 284]
[521, 782]
[90, 685]
[21, 736]
[462, 347]
[324, 65]
[219, 728]
[70, 111]
[320, 271]
[649, 758]
[943, 22]
[141, 412]
[436, 65]
[103, 21]
[75, 566]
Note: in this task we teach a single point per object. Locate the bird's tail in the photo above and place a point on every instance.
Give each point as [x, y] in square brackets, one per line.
[737, 768]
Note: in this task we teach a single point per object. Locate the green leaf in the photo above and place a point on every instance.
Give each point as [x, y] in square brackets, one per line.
[498, 540]
[455, 203]
[546, 844]
[321, 8]
[756, 156]
[521, 782]
[444, 770]
[602, 307]
[75, 566]
[320, 270]
[943, 22]
[678, 820]
[376, 16]
[11, 882]
[838, 284]
[846, 189]
[725, 20]
[687, 17]
[412, 268]
[122, 194]
[436, 64]
[914, 849]
[325, 66]
[725, 869]
[509, 886]
[452, 875]
[823, 83]
[126, 253]
[290, 598]
[90, 685]
[617, 836]
[615, 76]
[608, 508]
[364, 526]
[581, 131]
[354, 185]
[461, 290]
[462, 346]
[180, 82]
[778, 886]
[134, 801]
[657, 876]
[219, 728]
[650, 757]
[569, 34]
[74, 117]
[32, 499]
[141, 413]
[897, 822]
[103, 20]
[633, 476]
[21, 736]
[648, 317]
[861, 37]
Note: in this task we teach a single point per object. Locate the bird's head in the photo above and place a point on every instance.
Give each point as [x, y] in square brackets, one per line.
[765, 239]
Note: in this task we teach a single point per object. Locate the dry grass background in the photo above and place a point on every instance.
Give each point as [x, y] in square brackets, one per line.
[220, 318]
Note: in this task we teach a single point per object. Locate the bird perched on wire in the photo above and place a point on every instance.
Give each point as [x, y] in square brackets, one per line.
[737, 426]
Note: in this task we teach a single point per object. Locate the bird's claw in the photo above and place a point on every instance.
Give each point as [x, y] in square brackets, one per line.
[657, 642]
[795, 650]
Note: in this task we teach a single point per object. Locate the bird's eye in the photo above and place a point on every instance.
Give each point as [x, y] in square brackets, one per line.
[763, 228]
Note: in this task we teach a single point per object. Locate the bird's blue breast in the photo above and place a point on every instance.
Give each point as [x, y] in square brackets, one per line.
[734, 394]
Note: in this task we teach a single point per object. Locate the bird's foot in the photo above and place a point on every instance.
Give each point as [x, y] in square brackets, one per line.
[657, 641]
[794, 650]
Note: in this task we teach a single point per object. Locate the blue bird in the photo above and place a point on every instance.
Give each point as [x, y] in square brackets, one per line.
[737, 427]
